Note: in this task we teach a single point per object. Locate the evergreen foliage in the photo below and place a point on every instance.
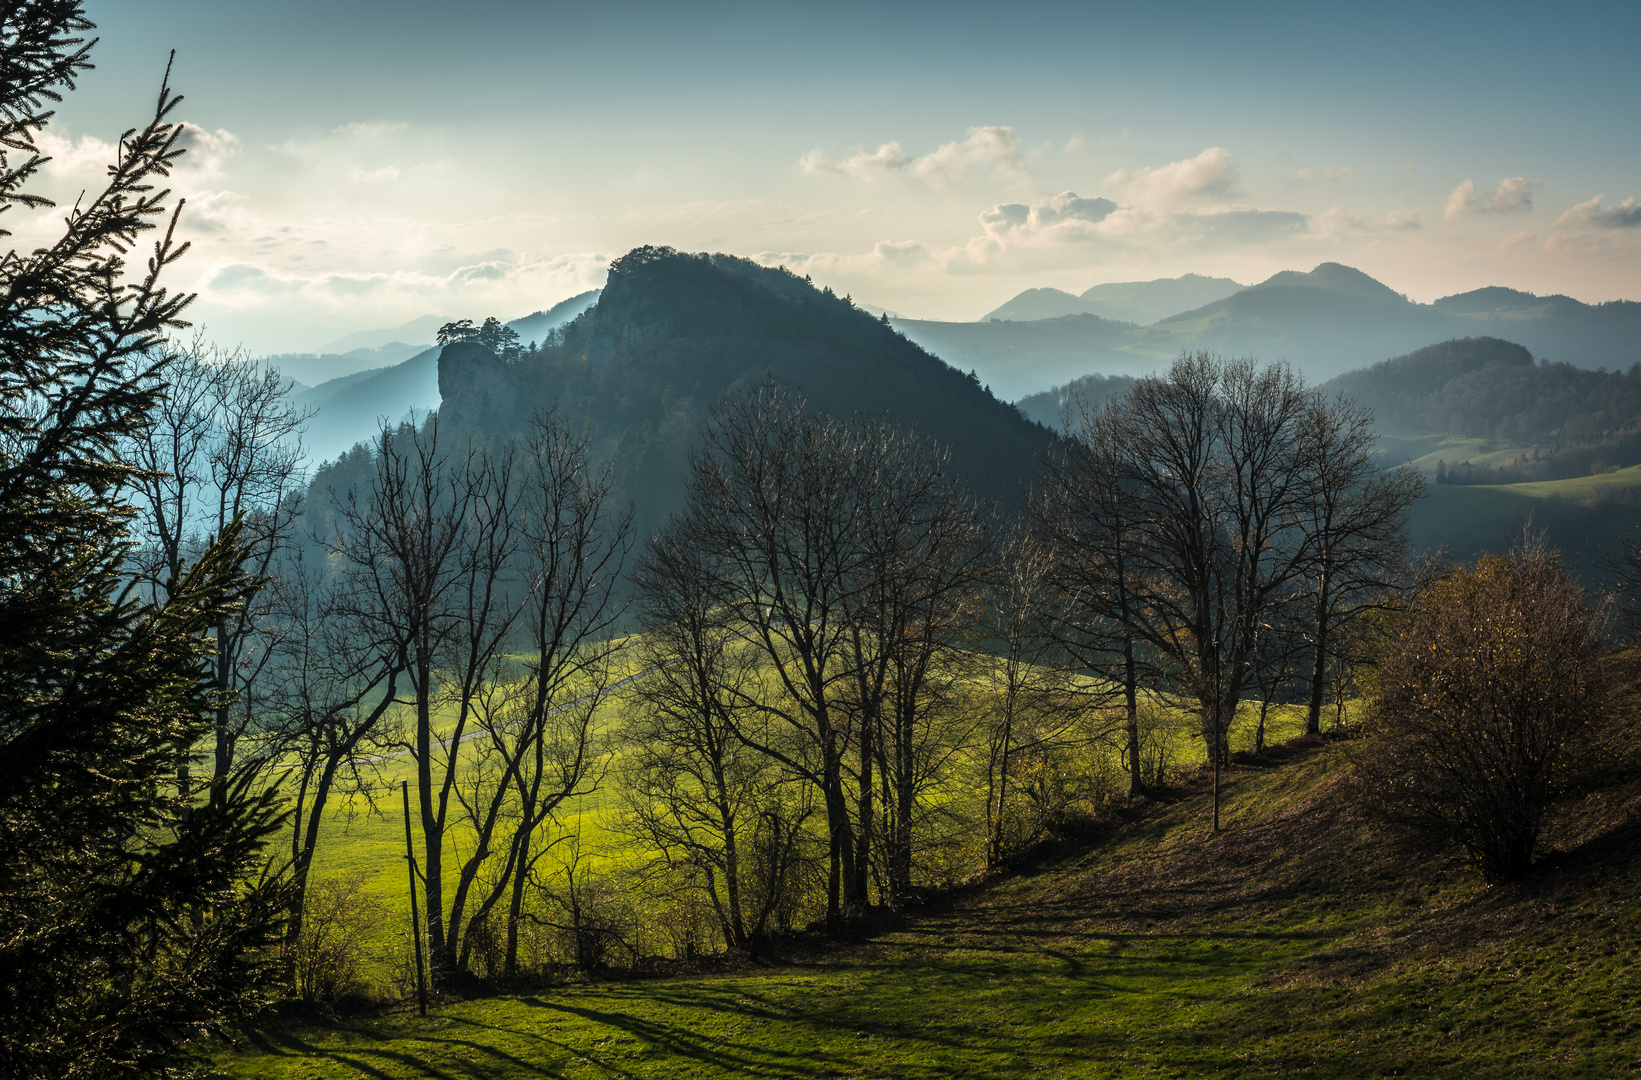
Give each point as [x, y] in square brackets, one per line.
[132, 915]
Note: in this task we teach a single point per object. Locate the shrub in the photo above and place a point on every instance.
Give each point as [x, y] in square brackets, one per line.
[1482, 698]
[1161, 737]
[331, 951]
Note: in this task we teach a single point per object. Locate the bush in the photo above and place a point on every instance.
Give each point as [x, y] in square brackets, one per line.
[1482, 699]
[331, 951]
[1162, 735]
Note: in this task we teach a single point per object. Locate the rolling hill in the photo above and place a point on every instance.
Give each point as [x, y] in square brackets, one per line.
[1139, 302]
[1326, 322]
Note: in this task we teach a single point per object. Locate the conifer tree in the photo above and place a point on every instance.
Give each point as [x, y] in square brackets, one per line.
[134, 915]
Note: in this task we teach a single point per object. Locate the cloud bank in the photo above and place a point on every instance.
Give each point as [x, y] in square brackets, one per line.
[1592, 214]
[1512, 196]
[995, 148]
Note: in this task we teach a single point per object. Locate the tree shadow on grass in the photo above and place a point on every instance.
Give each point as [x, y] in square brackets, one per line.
[368, 1061]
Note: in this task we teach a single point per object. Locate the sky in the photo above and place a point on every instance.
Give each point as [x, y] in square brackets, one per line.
[357, 165]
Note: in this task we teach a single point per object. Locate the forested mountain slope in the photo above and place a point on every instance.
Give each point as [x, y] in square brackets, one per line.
[351, 408]
[673, 333]
[1564, 421]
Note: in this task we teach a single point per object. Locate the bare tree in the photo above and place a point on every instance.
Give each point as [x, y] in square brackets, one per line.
[333, 688]
[573, 544]
[403, 539]
[1211, 459]
[775, 495]
[909, 603]
[1086, 513]
[848, 557]
[223, 445]
[1354, 519]
[1036, 702]
[694, 790]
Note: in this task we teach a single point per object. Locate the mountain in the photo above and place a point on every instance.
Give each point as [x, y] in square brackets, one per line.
[1327, 321]
[1038, 304]
[422, 329]
[349, 409]
[1020, 358]
[1049, 407]
[536, 326]
[311, 369]
[1140, 302]
[1481, 411]
[673, 333]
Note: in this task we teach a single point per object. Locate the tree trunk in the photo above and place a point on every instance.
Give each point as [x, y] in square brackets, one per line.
[1319, 663]
[1131, 700]
[439, 949]
[868, 794]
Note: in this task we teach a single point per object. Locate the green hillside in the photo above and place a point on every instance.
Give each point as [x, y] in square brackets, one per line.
[1579, 515]
[1299, 941]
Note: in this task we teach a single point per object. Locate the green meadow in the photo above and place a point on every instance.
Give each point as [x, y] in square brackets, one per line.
[1299, 941]
[363, 836]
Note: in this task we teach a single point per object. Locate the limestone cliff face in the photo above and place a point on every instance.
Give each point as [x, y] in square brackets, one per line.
[480, 393]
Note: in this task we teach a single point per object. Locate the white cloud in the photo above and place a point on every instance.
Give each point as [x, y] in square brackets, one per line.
[1461, 199]
[211, 211]
[995, 148]
[1513, 196]
[1241, 224]
[363, 176]
[885, 256]
[1403, 220]
[81, 160]
[501, 282]
[1592, 214]
[1066, 216]
[1333, 174]
[899, 254]
[1209, 174]
[206, 151]
[1337, 221]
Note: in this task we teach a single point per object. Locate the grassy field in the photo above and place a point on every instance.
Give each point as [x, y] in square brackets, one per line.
[1299, 941]
[364, 836]
[1467, 519]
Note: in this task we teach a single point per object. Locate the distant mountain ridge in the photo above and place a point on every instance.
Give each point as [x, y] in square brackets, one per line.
[1139, 302]
[350, 407]
[1325, 322]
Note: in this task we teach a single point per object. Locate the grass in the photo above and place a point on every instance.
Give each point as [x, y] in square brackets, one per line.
[1581, 487]
[1299, 941]
[363, 837]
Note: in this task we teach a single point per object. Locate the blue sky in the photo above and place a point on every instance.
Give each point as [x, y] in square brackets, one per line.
[360, 164]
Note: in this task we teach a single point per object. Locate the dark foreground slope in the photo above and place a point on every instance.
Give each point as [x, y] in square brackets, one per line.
[1297, 942]
[673, 333]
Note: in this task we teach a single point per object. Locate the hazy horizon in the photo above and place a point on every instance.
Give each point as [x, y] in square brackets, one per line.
[358, 166]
